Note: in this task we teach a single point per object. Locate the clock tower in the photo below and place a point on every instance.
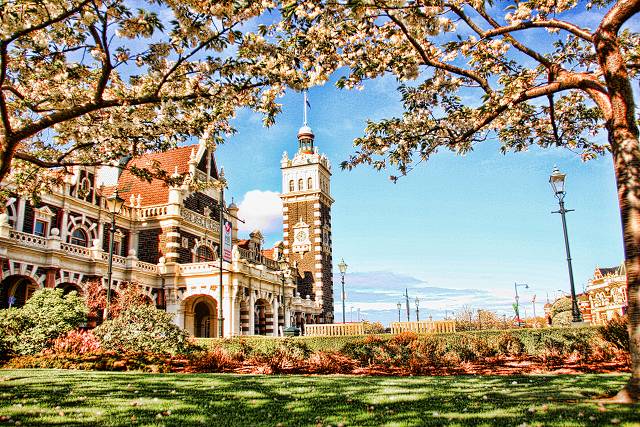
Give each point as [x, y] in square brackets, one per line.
[306, 201]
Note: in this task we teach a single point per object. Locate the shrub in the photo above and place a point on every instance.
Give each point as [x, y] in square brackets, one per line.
[562, 319]
[75, 341]
[144, 328]
[216, 360]
[45, 316]
[330, 362]
[373, 328]
[287, 355]
[510, 345]
[616, 332]
[561, 305]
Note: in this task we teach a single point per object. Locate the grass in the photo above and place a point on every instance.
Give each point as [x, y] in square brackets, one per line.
[74, 398]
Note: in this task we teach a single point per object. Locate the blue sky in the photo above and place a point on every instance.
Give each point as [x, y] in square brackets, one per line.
[456, 231]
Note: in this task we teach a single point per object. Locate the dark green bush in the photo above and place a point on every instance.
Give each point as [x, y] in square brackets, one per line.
[616, 332]
[144, 328]
[45, 316]
[509, 345]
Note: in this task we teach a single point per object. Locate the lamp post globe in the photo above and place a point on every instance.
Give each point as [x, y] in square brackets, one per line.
[417, 309]
[399, 305]
[343, 270]
[557, 181]
[114, 205]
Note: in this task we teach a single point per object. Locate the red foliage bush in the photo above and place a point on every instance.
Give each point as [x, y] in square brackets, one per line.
[215, 360]
[330, 362]
[76, 341]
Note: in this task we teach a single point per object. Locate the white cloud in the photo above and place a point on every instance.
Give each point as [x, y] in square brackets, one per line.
[260, 210]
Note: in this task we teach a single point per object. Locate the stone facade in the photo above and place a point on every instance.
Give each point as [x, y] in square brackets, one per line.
[162, 234]
[307, 201]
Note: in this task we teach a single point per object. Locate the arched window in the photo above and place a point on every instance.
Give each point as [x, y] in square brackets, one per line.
[291, 186]
[79, 237]
[300, 184]
[309, 183]
[204, 254]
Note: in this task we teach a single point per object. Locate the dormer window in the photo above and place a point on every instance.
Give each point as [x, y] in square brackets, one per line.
[42, 221]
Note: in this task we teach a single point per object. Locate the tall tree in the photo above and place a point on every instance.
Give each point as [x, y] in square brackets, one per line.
[539, 77]
[86, 82]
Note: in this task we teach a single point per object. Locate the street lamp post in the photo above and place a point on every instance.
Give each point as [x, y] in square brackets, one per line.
[221, 186]
[515, 286]
[399, 309]
[283, 267]
[406, 297]
[343, 270]
[114, 205]
[417, 309]
[557, 184]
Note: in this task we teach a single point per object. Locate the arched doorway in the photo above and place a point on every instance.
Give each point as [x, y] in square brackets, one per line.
[16, 290]
[68, 287]
[200, 316]
[263, 318]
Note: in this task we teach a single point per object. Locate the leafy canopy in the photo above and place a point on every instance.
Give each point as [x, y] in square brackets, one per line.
[526, 73]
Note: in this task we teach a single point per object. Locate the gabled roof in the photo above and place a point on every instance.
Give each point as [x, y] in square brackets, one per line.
[154, 192]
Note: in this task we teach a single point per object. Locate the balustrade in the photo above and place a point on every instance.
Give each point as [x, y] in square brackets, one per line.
[195, 218]
[334, 329]
[26, 239]
[76, 250]
[424, 327]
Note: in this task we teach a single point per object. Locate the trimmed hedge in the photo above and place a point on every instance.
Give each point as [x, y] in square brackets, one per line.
[533, 342]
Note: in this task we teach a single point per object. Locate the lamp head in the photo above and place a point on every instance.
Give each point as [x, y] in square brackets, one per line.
[115, 202]
[557, 181]
[342, 266]
[399, 305]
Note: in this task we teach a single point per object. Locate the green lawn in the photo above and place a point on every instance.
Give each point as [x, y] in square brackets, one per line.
[69, 398]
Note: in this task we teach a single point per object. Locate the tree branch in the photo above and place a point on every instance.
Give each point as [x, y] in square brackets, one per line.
[552, 23]
[437, 64]
[48, 22]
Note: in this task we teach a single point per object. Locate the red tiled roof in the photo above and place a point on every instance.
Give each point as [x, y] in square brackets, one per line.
[154, 192]
[244, 244]
[267, 253]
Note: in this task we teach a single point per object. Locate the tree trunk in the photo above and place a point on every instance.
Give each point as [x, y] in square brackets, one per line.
[626, 158]
[6, 155]
[623, 138]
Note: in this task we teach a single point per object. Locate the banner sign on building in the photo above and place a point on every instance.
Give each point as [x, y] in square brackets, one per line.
[227, 244]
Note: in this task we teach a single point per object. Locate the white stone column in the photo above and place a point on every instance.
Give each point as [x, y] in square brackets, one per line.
[22, 204]
[64, 227]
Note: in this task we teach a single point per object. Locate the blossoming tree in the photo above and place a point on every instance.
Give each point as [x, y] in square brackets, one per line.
[86, 82]
[538, 75]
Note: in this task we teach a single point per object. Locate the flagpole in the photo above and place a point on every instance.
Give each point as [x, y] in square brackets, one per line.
[305, 107]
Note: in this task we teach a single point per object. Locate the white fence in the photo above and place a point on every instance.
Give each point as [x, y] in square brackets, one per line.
[334, 329]
[424, 327]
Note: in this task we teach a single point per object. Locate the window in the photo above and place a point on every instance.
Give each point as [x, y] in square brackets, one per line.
[291, 186]
[204, 254]
[40, 228]
[309, 183]
[79, 237]
[300, 184]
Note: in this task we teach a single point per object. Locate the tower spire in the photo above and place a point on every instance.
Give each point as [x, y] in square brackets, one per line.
[305, 134]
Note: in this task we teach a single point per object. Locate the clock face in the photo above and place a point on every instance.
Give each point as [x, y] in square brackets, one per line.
[301, 235]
